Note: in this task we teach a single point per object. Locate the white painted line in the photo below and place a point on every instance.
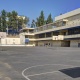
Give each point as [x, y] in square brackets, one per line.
[43, 73]
[26, 77]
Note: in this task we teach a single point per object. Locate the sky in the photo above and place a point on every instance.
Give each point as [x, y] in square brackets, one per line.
[32, 8]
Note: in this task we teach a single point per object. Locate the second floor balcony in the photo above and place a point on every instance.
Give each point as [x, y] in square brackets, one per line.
[72, 24]
[74, 36]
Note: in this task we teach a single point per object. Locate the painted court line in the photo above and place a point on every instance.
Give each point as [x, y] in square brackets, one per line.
[27, 76]
[42, 73]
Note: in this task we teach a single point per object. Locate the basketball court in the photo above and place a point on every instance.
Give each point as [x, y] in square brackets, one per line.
[39, 63]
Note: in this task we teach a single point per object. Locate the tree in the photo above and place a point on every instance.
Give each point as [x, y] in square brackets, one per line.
[37, 22]
[26, 20]
[41, 20]
[33, 24]
[49, 19]
[3, 20]
[22, 21]
[14, 23]
[0, 24]
[9, 19]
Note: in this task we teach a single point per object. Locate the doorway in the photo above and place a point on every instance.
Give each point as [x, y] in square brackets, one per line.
[78, 44]
[65, 44]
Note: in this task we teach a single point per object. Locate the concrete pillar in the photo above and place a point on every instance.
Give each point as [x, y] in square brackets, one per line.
[51, 34]
[45, 35]
[28, 30]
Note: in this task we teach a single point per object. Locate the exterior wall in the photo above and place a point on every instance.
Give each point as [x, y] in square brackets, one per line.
[65, 43]
[74, 43]
[50, 43]
[3, 41]
[22, 39]
[56, 43]
[31, 43]
[3, 34]
[44, 43]
[31, 40]
[69, 14]
[10, 41]
[27, 33]
[75, 17]
[59, 37]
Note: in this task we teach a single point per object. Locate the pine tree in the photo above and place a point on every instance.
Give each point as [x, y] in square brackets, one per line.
[3, 20]
[14, 20]
[40, 20]
[0, 24]
[49, 19]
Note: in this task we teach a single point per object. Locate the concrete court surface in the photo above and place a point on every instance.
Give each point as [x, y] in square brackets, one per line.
[39, 63]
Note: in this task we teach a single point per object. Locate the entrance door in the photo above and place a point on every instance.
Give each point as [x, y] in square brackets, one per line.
[78, 44]
[65, 44]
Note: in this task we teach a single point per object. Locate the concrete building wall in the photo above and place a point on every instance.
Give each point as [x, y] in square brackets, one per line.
[31, 43]
[74, 43]
[3, 34]
[10, 41]
[56, 43]
[22, 39]
[69, 14]
[75, 17]
[3, 41]
[50, 43]
[44, 43]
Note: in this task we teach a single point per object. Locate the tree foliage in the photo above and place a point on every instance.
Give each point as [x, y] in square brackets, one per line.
[0, 24]
[12, 21]
[49, 19]
[3, 20]
[40, 21]
[33, 25]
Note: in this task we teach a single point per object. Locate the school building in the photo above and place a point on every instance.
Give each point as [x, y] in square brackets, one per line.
[63, 32]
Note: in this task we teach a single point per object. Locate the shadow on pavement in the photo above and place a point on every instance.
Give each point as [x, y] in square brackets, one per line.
[72, 72]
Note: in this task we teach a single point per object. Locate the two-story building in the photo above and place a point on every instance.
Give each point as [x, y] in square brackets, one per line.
[63, 32]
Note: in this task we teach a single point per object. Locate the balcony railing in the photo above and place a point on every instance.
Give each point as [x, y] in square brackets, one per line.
[24, 33]
[72, 36]
[49, 38]
[58, 28]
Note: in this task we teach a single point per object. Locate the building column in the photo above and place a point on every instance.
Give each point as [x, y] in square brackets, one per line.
[28, 30]
[51, 34]
[45, 35]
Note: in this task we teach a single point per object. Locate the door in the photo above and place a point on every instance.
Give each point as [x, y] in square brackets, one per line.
[78, 44]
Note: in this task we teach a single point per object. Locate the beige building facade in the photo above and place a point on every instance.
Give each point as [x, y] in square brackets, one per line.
[63, 32]
[27, 36]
